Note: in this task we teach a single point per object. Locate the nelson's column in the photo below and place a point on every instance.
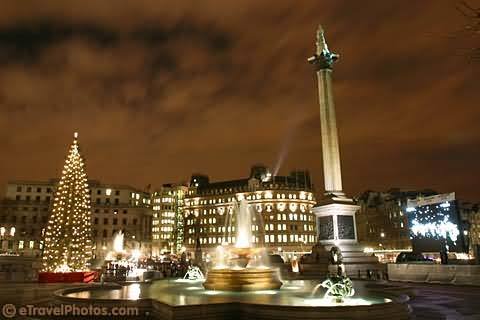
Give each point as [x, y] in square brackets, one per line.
[335, 212]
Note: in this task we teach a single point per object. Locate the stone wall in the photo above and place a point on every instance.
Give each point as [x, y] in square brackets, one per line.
[435, 273]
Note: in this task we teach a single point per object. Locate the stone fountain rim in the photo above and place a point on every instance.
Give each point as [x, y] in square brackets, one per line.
[61, 294]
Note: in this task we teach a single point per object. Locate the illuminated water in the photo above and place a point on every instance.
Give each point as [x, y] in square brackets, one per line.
[182, 292]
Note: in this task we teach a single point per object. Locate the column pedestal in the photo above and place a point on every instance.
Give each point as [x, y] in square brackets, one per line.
[336, 227]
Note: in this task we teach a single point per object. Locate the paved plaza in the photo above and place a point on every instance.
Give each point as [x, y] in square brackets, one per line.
[446, 302]
[430, 302]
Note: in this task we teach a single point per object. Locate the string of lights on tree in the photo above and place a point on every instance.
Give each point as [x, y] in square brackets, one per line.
[67, 241]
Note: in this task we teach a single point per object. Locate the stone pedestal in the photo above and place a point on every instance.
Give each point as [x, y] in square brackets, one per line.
[336, 223]
[336, 227]
[316, 264]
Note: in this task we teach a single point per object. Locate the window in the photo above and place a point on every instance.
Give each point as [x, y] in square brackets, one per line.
[29, 189]
[96, 221]
[49, 190]
[115, 221]
[27, 198]
[18, 198]
[99, 191]
[105, 220]
[37, 198]
[97, 201]
[44, 219]
[134, 222]
[104, 233]
[124, 221]
[108, 191]
[97, 211]
[116, 201]
[31, 244]
[107, 200]
[117, 192]
[47, 198]
[39, 190]
[20, 244]
[34, 219]
[24, 219]
[19, 189]
[105, 211]
[125, 211]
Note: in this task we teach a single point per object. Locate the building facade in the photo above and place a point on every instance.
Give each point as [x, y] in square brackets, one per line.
[281, 206]
[25, 210]
[168, 219]
[382, 222]
[470, 217]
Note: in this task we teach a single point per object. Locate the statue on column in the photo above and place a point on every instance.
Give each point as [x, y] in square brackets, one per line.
[323, 58]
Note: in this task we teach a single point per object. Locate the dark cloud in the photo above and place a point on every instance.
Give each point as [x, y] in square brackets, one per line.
[158, 91]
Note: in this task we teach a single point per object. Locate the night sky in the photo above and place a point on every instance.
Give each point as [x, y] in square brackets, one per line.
[159, 90]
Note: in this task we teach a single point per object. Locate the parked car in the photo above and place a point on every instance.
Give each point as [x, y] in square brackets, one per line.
[412, 257]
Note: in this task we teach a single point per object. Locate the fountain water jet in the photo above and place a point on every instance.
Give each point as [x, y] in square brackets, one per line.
[240, 268]
[118, 242]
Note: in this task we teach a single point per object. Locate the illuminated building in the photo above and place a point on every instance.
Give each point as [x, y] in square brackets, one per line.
[435, 224]
[167, 220]
[26, 207]
[382, 221]
[282, 207]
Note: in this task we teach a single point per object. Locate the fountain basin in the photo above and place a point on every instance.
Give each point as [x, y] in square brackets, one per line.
[247, 279]
[183, 299]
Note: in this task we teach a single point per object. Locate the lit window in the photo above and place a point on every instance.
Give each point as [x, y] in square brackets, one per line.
[108, 192]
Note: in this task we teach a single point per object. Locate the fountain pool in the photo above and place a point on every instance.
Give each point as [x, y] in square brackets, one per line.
[186, 299]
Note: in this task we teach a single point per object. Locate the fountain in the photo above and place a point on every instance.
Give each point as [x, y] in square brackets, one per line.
[118, 250]
[338, 288]
[194, 273]
[241, 267]
[118, 242]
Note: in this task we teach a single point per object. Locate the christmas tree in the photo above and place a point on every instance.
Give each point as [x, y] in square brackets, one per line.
[67, 242]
